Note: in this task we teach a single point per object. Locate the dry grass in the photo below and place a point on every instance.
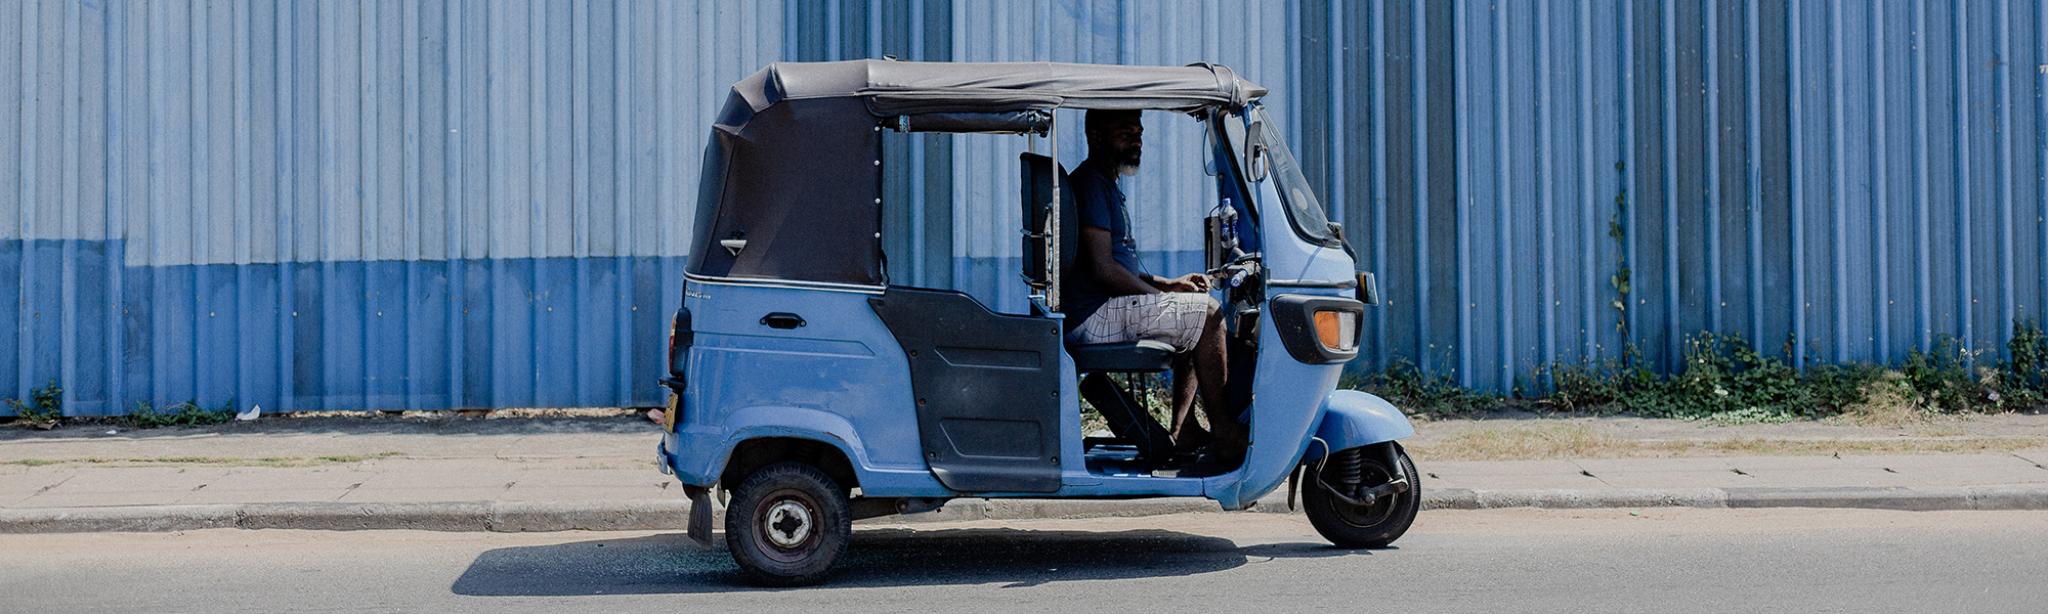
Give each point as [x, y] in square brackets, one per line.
[1889, 406]
[1553, 441]
[1525, 442]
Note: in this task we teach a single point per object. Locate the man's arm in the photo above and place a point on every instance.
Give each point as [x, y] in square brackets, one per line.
[1118, 279]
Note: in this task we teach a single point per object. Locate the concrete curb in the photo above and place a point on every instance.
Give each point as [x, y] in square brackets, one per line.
[521, 516]
[499, 516]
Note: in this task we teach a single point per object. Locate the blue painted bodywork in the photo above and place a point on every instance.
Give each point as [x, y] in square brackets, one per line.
[1352, 419]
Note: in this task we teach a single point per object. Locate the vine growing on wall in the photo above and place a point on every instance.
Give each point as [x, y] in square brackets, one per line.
[1620, 279]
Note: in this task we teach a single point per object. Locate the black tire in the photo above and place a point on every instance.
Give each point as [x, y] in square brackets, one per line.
[787, 524]
[1376, 526]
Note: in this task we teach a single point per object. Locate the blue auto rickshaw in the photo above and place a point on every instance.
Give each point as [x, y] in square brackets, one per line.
[814, 391]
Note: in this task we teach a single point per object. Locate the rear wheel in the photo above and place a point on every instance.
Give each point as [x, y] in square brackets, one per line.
[1366, 526]
[787, 524]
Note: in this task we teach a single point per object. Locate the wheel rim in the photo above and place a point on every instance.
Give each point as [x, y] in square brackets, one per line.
[786, 526]
[1368, 516]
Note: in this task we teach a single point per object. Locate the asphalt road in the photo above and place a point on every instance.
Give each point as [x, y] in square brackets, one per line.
[1665, 560]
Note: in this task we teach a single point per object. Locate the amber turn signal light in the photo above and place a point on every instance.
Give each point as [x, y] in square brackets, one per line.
[1337, 330]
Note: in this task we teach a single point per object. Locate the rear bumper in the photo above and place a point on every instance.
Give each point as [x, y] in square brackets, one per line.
[694, 458]
[662, 459]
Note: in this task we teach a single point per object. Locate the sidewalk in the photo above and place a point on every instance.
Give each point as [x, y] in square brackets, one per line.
[526, 475]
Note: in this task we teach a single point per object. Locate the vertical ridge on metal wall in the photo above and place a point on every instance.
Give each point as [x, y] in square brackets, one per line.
[1589, 227]
[1418, 51]
[1546, 191]
[1838, 200]
[1754, 163]
[1628, 199]
[1710, 34]
[1965, 300]
[1796, 118]
[1378, 50]
[1668, 127]
[1503, 207]
[1923, 251]
[2001, 134]
[1462, 202]
[1880, 189]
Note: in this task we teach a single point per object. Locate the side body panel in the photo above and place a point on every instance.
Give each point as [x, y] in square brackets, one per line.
[839, 378]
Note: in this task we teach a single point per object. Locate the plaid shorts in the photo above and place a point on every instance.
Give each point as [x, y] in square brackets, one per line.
[1174, 318]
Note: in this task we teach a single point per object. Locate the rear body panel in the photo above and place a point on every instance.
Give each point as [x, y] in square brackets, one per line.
[840, 379]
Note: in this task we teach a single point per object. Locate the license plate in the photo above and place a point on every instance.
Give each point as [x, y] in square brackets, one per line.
[668, 416]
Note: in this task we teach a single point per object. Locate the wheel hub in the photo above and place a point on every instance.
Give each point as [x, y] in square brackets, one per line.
[1378, 509]
[788, 523]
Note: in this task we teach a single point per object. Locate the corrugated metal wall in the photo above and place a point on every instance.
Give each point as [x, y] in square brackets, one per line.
[482, 204]
[1552, 181]
[353, 204]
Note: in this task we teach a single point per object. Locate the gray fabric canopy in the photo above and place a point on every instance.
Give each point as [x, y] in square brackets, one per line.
[901, 88]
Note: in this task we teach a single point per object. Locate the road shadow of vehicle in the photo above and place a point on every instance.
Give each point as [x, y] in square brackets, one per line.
[670, 564]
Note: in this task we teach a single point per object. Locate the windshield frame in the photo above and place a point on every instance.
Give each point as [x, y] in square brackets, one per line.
[1289, 172]
[1227, 127]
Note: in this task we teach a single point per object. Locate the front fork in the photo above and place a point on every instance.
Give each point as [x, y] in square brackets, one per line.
[1342, 474]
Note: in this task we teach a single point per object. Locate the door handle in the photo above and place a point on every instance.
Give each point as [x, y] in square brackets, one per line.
[782, 320]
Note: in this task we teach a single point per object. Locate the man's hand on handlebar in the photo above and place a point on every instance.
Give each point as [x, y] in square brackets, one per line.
[1192, 282]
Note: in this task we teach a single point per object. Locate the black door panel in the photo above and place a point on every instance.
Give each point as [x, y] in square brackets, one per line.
[987, 388]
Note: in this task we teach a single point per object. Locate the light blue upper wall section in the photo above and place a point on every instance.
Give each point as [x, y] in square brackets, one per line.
[258, 131]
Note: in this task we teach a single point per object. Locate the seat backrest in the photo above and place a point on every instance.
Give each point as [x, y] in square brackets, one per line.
[1036, 187]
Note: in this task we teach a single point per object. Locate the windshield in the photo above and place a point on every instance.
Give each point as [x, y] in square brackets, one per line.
[1303, 209]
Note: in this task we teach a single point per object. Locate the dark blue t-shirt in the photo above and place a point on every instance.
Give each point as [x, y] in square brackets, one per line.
[1100, 204]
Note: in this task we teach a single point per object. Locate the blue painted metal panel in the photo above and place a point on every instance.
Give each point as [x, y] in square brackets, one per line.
[480, 204]
[1855, 179]
[378, 205]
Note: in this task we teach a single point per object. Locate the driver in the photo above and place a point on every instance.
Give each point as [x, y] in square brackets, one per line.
[1115, 300]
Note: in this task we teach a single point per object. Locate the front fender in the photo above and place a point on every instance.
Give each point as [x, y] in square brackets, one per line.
[1352, 419]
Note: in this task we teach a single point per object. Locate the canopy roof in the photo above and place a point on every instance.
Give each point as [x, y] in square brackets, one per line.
[893, 88]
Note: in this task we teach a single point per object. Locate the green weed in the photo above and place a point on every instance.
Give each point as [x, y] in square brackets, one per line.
[44, 409]
[1941, 379]
[2022, 380]
[188, 413]
[1404, 384]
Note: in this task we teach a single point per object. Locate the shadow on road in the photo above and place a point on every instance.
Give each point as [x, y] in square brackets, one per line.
[877, 558]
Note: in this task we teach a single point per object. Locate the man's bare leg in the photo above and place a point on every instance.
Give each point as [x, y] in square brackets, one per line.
[1185, 432]
[1210, 373]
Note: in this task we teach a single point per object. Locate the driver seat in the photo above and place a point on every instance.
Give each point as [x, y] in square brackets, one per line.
[1092, 361]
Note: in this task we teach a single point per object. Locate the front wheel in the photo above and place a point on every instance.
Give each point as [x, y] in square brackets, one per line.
[1349, 525]
[787, 524]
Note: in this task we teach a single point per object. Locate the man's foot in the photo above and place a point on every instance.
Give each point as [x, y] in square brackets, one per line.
[1191, 441]
[1216, 459]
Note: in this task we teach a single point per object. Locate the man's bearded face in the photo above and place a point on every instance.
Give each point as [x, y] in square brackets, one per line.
[1126, 142]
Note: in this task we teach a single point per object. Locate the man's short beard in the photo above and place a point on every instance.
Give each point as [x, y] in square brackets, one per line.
[1127, 169]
